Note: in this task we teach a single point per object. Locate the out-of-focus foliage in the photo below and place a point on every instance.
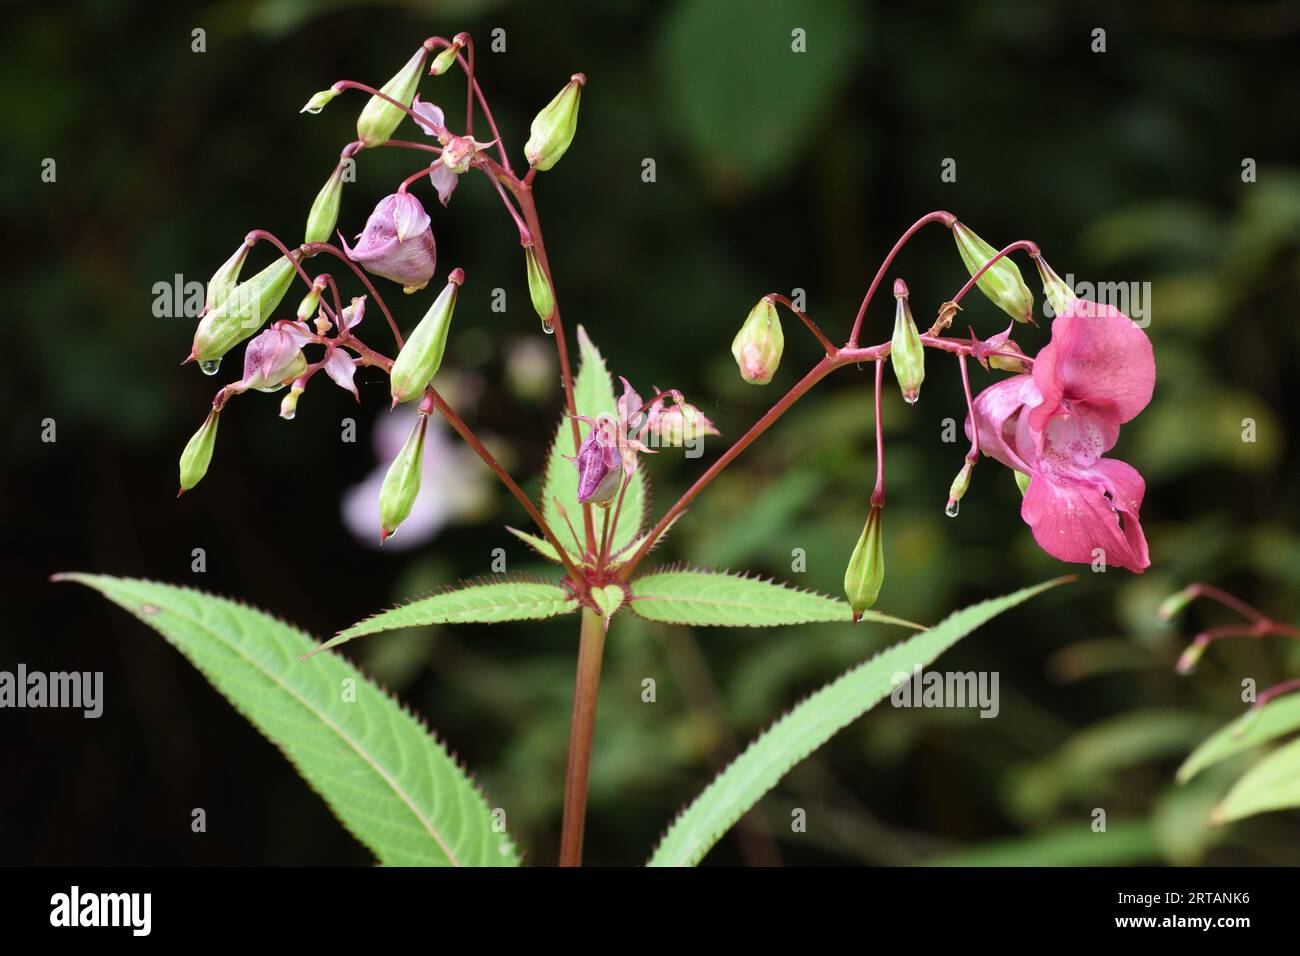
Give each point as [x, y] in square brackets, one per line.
[773, 171]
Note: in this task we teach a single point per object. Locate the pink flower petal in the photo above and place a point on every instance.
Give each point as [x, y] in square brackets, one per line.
[1072, 519]
[428, 117]
[444, 180]
[340, 367]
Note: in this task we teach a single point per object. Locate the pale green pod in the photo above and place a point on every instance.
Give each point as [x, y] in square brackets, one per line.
[402, 482]
[906, 352]
[1001, 282]
[418, 362]
[758, 346]
[243, 311]
[324, 215]
[539, 287]
[866, 571]
[198, 453]
[444, 60]
[380, 118]
[225, 279]
[1058, 292]
[553, 128]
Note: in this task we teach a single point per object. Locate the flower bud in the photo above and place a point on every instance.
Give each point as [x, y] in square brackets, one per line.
[1190, 657]
[958, 489]
[311, 301]
[380, 118]
[273, 359]
[243, 311]
[402, 482]
[225, 279]
[539, 288]
[553, 128]
[600, 463]
[1173, 605]
[906, 353]
[324, 213]
[1001, 282]
[418, 362]
[758, 345]
[289, 404]
[444, 60]
[866, 570]
[397, 243]
[198, 453]
[1058, 292]
[1009, 363]
[319, 101]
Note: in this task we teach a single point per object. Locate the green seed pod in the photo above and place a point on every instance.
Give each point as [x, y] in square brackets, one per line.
[1001, 282]
[380, 118]
[402, 483]
[539, 287]
[957, 490]
[421, 356]
[311, 301]
[552, 129]
[866, 571]
[906, 353]
[198, 453]
[319, 101]
[243, 311]
[1058, 292]
[758, 345]
[225, 279]
[1173, 605]
[324, 213]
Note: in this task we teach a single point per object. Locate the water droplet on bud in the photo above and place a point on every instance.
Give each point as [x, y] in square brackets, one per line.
[952, 508]
[210, 366]
[547, 327]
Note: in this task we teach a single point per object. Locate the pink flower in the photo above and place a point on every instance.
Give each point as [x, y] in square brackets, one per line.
[274, 357]
[1055, 424]
[600, 462]
[397, 242]
[457, 152]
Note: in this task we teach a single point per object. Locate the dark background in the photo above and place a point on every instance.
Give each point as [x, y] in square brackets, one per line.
[774, 170]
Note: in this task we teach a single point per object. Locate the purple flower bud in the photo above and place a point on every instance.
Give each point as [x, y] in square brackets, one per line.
[397, 243]
[600, 463]
[274, 358]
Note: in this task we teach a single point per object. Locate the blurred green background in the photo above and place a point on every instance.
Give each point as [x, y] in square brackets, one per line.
[774, 171]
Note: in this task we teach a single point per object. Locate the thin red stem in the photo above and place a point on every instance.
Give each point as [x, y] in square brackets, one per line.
[1025, 244]
[878, 493]
[938, 215]
[812, 326]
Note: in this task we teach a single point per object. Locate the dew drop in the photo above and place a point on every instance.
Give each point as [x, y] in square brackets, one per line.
[289, 415]
[952, 508]
[210, 366]
[547, 327]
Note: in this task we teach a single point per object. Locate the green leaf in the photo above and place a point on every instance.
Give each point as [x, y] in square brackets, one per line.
[609, 599]
[537, 543]
[488, 602]
[1275, 719]
[593, 393]
[1271, 784]
[389, 782]
[809, 725]
[675, 595]
[1124, 843]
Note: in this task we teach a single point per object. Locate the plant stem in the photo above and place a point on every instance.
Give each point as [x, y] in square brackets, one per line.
[938, 215]
[585, 692]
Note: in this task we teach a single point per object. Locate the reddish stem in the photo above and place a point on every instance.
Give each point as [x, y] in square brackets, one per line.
[812, 326]
[938, 215]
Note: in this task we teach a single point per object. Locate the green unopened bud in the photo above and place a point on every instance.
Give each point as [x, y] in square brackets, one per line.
[225, 279]
[243, 311]
[906, 353]
[539, 288]
[1058, 292]
[319, 101]
[957, 491]
[1173, 605]
[444, 60]
[1009, 363]
[324, 213]
[421, 356]
[758, 345]
[866, 571]
[1022, 481]
[311, 301]
[1188, 660]
[1001, 282]
[402, 482]
[380, 118]
[553, 128]
[198, 453]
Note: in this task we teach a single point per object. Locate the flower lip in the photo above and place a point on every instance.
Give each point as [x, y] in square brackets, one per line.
[397, 242]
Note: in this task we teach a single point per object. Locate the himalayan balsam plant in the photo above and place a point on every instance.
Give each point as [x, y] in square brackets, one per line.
[392, 784]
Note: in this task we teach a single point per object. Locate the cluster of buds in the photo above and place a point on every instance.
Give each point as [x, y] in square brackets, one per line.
[1044, 422]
